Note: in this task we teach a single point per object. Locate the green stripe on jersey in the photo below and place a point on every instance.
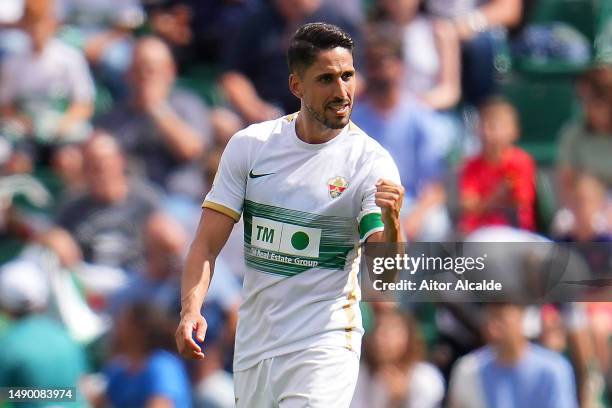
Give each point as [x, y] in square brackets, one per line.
[368, 223]
[287, 242]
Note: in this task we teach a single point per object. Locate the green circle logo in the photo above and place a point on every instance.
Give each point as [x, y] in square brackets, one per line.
[300, 240]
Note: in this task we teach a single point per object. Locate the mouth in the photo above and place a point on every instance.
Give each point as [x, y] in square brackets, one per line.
[340, 109]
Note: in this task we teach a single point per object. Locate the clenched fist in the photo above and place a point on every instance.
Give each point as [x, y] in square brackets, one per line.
[389, 197]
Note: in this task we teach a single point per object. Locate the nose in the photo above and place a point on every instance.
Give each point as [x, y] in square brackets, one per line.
[341, 89]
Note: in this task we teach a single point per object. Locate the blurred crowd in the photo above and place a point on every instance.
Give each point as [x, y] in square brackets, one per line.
[113, 117]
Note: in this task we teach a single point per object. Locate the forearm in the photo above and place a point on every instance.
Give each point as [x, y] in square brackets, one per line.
[77, 112]
[239, 91]
[199, 269]
[181, 138]
[392, 232]
[506, 13]
[442, 97]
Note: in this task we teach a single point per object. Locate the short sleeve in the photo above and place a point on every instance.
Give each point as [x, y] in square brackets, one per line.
[82, 87]
[229, 186]
[369, 219]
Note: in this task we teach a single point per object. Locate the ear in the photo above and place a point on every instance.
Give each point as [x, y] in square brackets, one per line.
[295, 85]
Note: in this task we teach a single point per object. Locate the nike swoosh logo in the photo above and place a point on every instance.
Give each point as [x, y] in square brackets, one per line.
[251, 175]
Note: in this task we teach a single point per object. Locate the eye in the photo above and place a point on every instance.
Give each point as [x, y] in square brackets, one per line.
[325, 79]
[347, 75]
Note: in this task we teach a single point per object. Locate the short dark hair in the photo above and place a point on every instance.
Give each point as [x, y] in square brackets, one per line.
[312, 38]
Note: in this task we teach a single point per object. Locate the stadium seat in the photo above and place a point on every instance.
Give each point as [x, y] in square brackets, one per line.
[580, 14]
[544, 103]
[202, 80]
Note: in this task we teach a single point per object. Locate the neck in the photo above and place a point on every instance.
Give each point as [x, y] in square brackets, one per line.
[493, 154]
[310, 130]
[510, 353]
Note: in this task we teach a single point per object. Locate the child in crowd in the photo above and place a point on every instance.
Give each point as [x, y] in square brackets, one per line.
[497, 187]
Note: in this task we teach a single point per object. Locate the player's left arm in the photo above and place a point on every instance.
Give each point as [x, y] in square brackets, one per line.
[389, 197]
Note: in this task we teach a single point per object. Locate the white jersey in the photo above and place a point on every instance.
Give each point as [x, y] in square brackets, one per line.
[307, 208]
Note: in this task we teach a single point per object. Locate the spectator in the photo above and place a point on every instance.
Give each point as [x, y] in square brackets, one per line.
[35, 351]
[478, 25]
[163, 130]
[46, 93]
[211, 21]
[144, 373]
[586, 143]
[497, 187]
[103, 28]
[173, 22]
[158, 283]
[394, 373]
[430, 51]
[589, 218]
[509, 371]
[105, 223]
[256, 59]
[417, 137]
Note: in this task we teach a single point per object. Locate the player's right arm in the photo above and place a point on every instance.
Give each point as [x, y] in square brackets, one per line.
[222, 208]
[213, 230]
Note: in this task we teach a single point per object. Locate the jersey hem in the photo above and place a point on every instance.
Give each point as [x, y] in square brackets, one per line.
[250, 362]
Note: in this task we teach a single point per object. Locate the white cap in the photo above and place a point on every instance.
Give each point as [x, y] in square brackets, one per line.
[23, 286]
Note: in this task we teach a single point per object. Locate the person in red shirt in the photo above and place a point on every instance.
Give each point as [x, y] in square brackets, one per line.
[497, 187]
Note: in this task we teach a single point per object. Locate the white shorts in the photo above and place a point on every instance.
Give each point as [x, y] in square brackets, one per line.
[320, 377]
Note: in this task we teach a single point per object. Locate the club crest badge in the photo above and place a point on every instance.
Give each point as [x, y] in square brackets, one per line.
[336, 186]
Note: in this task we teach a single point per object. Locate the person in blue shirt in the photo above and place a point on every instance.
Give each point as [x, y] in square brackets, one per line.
[418, 138]
[511, 372]
[145, 373]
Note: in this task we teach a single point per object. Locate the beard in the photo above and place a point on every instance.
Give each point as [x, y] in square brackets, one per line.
[323, 119]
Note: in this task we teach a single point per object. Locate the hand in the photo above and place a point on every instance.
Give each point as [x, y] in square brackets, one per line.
[389, 197]
[185, 344]
[501, 197]
[464, 31]
[61, 242]
[153, 94]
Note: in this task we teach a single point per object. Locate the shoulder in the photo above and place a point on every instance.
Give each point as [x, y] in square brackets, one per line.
[259, 133]
[164, 358]
[473, 362]
[572, 131]
[366, 143]
[68, 53]
[144, 193]
[167, 364]
[520, 156]
[427, 376]
[548, 362]
[471, 164]
[182, 97]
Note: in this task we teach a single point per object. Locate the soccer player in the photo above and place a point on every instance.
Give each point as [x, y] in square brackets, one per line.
[311, 187]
